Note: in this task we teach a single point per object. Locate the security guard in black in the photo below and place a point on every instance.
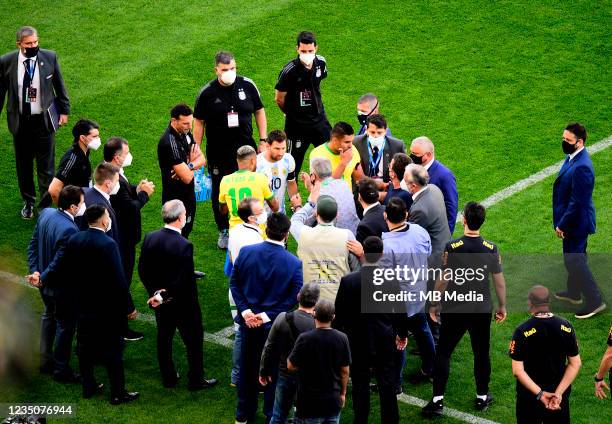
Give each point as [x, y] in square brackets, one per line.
[74, 167]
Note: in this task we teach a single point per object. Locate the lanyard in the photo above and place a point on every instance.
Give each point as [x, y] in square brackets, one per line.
[374, 166]
[30, 71]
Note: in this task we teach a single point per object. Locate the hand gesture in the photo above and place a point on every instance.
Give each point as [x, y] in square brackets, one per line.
[599, 389]
[174, 176]
[315, 192]
[305, 177]
[551, 400]
[500, 314]
[132, 315]
[355, 248]
[401, 344]
[146, 186]
[296, 200]
[153, 301]
[264, 380]
[560, 233]
[346, 156]
[34, 279]
[195, 153]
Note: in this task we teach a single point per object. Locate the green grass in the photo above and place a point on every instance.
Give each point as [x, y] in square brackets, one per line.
[491, 83]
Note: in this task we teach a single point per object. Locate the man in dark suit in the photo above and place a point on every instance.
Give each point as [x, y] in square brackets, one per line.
[376, 148]
[574, 220]
[92, 266]
[106, 184]
[265, 281]
[166, 270]
[373, 338]
[52, 231]
[373, 222]
[422, 153]
[127, 204]
[33, 81]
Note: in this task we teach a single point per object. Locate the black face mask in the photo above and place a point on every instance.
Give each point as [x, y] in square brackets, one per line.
[363, 119]
[417, 160]
[31, 51]
[568, 149]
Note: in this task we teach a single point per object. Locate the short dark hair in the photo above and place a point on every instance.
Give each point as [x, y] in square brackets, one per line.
[69, 195]
[474, 214]
[372, 248]
[105, 171]
[396, 210]
[306, 37]
[324, 311]
[277, 226]
[82, 127]
[223, 57]
[368, 190]
[245, 152]
[112, 147]
[276, 136]
[309, 295]
[400, 162]
[245, 209]
[179, 110]
[342, 129]
[94, 213]
[578, 130]
[378, 121]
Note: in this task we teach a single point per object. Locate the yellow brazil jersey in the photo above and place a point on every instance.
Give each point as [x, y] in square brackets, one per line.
[240, 185]
[323, 151]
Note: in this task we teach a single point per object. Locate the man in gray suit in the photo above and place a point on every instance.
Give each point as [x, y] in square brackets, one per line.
[376, 149]
[33, 81]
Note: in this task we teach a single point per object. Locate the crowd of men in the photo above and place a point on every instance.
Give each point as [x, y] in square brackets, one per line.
[304, 323]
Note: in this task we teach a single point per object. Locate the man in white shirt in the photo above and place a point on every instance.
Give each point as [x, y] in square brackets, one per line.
[279, 166]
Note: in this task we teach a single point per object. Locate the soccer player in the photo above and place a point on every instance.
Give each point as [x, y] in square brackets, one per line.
[279, 166]
[242, 184]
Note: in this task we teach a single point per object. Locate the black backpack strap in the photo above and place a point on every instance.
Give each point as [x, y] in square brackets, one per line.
[290, 317]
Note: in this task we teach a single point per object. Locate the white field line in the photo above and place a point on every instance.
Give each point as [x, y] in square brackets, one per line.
[222, 337]
[538, 176]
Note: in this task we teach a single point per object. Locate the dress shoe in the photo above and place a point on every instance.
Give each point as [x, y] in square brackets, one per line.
[131, 335]
[198, 274]
[125, 398]
[589, 311]
[483, 405]
[223, 239]
[563, 295]
[89, 393]
[205, 384]
[27, 212]
[433, 409]
[169, 384]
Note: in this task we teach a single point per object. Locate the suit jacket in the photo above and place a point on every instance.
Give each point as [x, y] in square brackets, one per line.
[369, 333]
[127, 204]
[47, 246]
[445, 180]
[429, 211]
[94, 197]
[573, 209]
[266, 278]
[166, 262]
[392, 146]
[372, 224]
[92, 266]
[51, 87]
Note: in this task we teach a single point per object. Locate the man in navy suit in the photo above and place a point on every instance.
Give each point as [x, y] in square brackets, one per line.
[33, 81]
[422, 153]
[574, 220]
[53, 229]
[373, 222]
[106, 184]
[166, 270]
[92, 268]
[127, 204]
[265, 281]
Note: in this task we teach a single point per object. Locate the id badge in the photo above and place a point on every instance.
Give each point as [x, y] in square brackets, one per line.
[232, 120]
[31, 95]
[305, 98]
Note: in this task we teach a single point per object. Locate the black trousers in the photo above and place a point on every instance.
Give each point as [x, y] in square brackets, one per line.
[190, 208]
[532, 411]
[580, 280]
[382, 364]
[300, 137]
[217, 171]
[187, 318]
[453, 327]
[33, 142]
[101, 344]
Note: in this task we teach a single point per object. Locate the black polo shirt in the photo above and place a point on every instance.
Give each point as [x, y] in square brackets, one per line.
[173, 149]
[75, 168]
[303, 103]
[213, 105]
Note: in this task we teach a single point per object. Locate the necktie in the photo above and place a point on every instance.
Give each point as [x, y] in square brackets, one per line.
[374, 164]
[27, 81]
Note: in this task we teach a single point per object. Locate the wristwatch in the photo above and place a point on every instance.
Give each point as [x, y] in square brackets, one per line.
[190, 165]
[539, 395]
[262, 139]
[597, 380]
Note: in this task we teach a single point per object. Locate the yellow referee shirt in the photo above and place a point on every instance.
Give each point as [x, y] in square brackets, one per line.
[240, 185]
[323, 151]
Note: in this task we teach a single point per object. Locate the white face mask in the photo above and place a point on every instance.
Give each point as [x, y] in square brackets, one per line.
[377, 141]
[404, 186]
[81, 210]
[115, 189]
[94, 144]
[110, 225]
[127, 161]
[307, 58]
[228, 77]
[262, 218]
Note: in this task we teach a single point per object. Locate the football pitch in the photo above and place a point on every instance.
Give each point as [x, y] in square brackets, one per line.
[493, 84]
